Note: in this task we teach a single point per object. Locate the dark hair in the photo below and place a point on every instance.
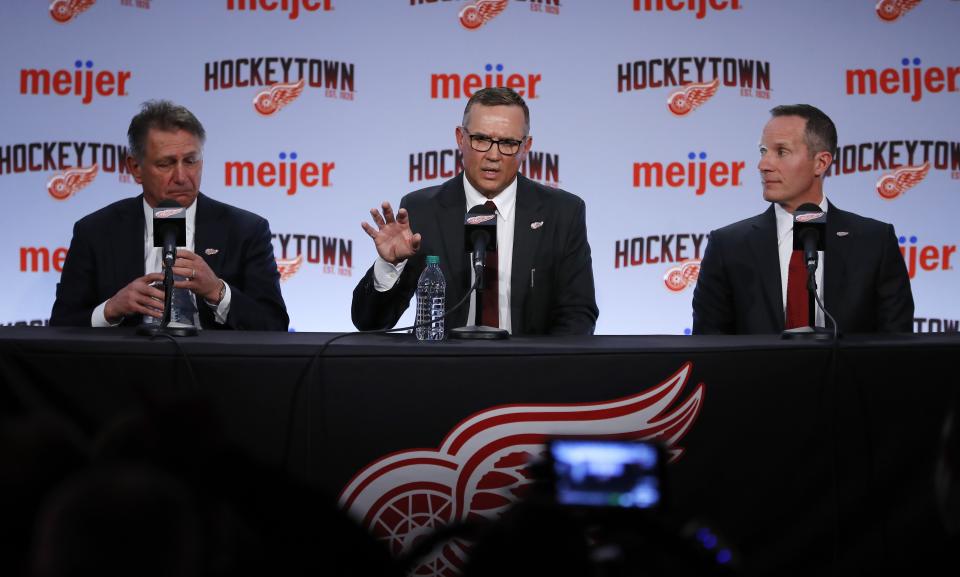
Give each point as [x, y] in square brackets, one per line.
[820, 134]
[162, 115]
[498, 97]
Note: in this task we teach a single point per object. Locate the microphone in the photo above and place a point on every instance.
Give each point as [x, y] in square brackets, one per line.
[809, 231]
[169, 232]
[169, 229]
[809, 235]
[480, 234]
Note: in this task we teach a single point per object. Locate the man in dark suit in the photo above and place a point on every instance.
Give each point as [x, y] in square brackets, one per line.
[228, 264]
[742, 286]
[545, 273]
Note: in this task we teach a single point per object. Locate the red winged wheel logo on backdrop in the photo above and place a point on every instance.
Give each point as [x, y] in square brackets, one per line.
[64, 185]
[691, 96]
[270, 100]
[64, 11]
[475, 15]
[287, 267]
[683, 275]
[890, 10]
[901, 180]
[481, 467]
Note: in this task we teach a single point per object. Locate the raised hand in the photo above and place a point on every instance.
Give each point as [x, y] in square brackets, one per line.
[394, 240]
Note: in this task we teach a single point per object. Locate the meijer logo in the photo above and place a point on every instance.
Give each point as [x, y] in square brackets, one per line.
[41, 259]
[693, 174]
[290, 175]
[454, 85]
[82, 83]
[910, 81]
[290, 7]
[694, 6]
[928, 257]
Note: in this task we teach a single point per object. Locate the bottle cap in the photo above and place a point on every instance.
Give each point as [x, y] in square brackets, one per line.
[432, 259]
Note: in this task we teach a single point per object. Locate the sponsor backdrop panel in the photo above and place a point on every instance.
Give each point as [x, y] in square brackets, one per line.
[317, 111]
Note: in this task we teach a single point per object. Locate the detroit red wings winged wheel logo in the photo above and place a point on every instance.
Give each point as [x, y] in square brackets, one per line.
[680, 277]
[890, 10]
[289, 267]
[64, 11]
[268, 102]
[480, 468]
[64, 185]
[691, 96]
[475, 15]
[901, 180]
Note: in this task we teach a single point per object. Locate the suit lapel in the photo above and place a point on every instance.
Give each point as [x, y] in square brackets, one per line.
[209, 236]
[836, 253]
[763, 243]
[453, 205]
[128, 250]
[526, 242]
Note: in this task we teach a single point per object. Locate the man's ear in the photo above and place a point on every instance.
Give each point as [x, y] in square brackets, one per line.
[134, 168]
[822, 162]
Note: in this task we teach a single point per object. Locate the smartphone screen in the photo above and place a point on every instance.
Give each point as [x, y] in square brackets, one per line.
[607, 473]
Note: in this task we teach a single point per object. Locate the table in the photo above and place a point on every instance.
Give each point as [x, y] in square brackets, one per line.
[805, 455]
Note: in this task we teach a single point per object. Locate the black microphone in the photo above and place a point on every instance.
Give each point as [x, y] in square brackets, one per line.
[480, 233]
[809, 232]
[169, 229]
[479, 236]
[809, 235]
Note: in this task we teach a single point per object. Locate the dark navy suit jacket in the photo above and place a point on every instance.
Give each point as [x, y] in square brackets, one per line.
[865, 282]
[552, 290]
[106, 253]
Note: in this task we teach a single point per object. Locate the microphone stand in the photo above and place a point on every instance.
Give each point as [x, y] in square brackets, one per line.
[164, 327]
[812, 332]
[476, 331]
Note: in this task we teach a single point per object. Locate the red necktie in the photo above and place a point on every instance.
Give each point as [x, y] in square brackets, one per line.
[798, 300]
[491, 290]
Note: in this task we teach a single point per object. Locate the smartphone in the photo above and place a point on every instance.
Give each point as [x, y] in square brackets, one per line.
[607, 474]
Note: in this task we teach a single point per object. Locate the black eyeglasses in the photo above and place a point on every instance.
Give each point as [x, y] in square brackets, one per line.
[481, 143]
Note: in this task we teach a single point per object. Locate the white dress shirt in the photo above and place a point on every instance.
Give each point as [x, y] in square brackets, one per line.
[385, 275]
[785, 245]
[153, 262]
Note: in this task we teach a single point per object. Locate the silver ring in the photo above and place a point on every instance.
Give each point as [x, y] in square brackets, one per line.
[193, 273]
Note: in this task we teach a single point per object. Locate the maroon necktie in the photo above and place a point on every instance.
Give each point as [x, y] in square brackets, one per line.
[491, 290]
[798, 301]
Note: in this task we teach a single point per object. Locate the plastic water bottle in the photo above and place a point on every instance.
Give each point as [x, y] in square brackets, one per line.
[431, 298]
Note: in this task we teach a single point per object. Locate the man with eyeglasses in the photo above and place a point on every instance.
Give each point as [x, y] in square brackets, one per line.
[544, 281]
[228, 263]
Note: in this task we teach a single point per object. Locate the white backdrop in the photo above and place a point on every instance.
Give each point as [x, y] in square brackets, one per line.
[378, 114]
